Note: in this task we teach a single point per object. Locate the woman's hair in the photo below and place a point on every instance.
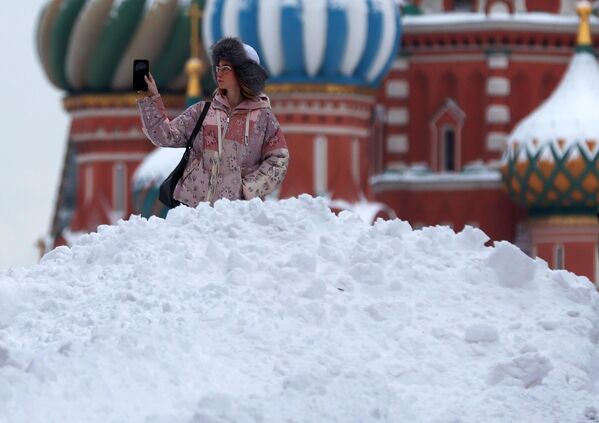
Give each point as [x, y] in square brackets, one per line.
[246, 92]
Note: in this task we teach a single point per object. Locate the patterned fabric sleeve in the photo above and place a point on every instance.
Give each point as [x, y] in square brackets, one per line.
[162, 131]
[275, 160]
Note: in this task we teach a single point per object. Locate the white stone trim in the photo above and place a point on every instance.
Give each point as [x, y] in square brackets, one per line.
[89, 184]
[119, 186]
[397, 88]
[498, 113]
[449, 58]
[540, 58]
[398, 116]
[401, 64]
[320, 165]
[103, 135]
[498, 61]
[498, 86]
[496, 141]
[109, 157]
[304, 109]
[116, 112]
[397, 144]
[355, 160]
[325, 130]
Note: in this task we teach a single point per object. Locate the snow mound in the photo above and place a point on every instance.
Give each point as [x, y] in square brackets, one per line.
[282, 311]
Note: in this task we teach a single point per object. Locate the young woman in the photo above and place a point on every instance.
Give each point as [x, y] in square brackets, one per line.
[240, 152]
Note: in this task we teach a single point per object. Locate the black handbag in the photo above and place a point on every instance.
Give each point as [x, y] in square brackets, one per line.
[167, 188]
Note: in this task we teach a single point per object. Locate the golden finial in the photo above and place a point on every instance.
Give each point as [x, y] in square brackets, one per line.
[584, 10]
[194, 66]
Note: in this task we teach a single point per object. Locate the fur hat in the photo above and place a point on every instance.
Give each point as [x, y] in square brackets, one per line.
[245, 61]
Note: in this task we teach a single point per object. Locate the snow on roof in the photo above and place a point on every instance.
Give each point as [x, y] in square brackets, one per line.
[282, 311]
[157, 166]
[570, 113]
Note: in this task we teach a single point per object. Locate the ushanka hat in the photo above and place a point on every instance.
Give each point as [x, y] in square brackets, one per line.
[244, 60]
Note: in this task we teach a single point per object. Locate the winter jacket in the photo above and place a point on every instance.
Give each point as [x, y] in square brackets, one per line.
[250, 160]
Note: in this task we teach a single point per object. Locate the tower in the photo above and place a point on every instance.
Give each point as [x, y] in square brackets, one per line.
[552, 165]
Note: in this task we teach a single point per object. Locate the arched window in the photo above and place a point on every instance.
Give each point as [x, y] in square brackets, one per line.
[448, 149]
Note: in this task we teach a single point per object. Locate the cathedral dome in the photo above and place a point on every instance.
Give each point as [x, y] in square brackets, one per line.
[90, 45]
[552, 160]
[350, 42]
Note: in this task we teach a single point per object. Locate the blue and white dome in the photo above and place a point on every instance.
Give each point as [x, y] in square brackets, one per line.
[312, 41]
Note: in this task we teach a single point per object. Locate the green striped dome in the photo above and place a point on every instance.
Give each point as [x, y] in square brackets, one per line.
[90, 45]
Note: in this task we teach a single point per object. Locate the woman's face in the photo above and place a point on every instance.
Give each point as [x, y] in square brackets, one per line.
[226, 78]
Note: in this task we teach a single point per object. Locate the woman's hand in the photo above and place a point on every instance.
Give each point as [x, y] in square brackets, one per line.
[152, 88]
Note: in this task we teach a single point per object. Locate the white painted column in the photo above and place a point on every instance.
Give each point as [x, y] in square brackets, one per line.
[320, 166]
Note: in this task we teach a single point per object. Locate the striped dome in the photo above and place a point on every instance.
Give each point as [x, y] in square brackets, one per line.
[317, 41]
[90, 45]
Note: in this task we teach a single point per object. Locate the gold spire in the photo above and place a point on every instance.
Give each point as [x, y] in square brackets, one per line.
[194, 66]
[584, 10]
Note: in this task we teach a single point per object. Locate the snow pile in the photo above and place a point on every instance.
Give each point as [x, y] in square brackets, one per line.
[282, 311]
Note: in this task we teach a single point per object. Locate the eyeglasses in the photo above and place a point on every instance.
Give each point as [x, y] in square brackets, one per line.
[223, 69]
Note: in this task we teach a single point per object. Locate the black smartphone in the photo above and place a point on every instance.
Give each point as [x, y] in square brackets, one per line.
[141, 68]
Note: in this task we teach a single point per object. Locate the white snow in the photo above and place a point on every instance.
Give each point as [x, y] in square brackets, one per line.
[569, 114]
[282, 311]
[157, 166]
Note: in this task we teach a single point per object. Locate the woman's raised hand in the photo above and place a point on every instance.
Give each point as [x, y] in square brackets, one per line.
[152, 88]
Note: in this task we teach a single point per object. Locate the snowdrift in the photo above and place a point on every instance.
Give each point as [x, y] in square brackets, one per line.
[282, 311]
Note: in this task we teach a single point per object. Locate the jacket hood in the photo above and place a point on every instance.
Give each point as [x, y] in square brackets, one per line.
[261, 102]
[249, 72]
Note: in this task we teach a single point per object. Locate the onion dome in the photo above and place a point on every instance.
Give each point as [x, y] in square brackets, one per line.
[318, 41]
[90, 45]
[552, 160]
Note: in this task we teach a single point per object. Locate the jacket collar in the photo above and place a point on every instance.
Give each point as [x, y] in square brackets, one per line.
[221, 102]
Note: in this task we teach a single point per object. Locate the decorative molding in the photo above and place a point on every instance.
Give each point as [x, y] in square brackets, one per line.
[325, 130]
[400, 64]
[540, 58]
[397, 144]
[498, 61]
[319, 88]
[116, 101]
[102, 135]
[398, 116]
[496, 141]
[449, 58]
[114, 112]
[320, 165]
[397, 88]
[498, 86]
[498, 113]
[110, 157]
[319, 110]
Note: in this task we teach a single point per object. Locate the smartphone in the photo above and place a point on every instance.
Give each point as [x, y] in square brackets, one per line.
[141, 68]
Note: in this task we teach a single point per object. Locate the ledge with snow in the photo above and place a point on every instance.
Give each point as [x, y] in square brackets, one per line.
[282, 311]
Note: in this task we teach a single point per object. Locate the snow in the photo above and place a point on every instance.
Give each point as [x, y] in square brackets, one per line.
[282, 311]
[157, 166]
[569, 114]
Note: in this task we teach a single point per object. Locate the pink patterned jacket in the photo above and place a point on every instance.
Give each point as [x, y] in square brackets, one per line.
[248, 160]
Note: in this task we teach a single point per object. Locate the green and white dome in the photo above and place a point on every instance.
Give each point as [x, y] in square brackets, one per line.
[90, 45]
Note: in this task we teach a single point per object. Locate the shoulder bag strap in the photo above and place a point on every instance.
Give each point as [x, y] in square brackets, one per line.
[196, 129]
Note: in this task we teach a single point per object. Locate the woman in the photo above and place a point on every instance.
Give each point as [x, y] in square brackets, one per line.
[240, 152]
